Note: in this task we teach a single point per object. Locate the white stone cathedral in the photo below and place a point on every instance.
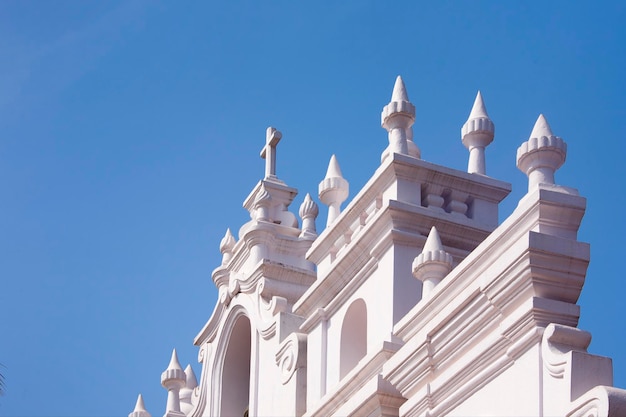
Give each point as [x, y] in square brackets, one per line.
[412, 301]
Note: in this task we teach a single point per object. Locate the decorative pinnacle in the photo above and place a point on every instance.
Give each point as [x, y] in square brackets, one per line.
[433, 241]
[541, 155]
[308, 208]
[262, 204]
[173, 376]
[174, 364]
[140, 409]
[541, 128]
[399, 91]
[433, 264]
[476, 134]
[334, 170]
[333, 190]
[397, 118]
[478, 109]
[187, 391]
[173, 379]
[191, 381]
[308, 213]
[226, 246]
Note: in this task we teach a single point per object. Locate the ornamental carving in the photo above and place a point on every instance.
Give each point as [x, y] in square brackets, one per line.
[291, 356]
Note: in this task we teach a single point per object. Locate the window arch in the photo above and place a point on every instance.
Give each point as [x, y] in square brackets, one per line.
[353, 337]
[235, 384]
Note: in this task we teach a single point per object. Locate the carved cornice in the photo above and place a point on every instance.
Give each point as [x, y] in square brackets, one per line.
[416, 171]
[268, 283]
[220, 277]
[277, 190]
[285, 242]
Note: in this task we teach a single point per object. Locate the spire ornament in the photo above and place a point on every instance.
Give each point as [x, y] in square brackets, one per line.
[262, 204]
[140, 409]
[541, 155]
[173, 379]
[477, 132]
[397, 118]
[433, 264]
[226, 246]
[308, 214]
[333, 190]
[186, 392]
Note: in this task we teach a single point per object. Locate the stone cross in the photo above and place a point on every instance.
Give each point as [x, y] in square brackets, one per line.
[272, 137]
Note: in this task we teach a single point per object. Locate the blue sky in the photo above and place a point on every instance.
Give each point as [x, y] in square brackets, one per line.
[130, 135]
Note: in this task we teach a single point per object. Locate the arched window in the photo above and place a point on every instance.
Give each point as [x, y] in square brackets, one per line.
[353, 337]
[236, 371]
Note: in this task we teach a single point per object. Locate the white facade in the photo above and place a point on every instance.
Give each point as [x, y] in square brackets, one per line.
[412, 301]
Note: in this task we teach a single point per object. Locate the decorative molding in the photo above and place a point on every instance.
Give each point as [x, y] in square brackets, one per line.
[557, 341]
[481, 190]
[268, 332]
[601, 401]
[291, 356]
[201, 392]
[220, 276]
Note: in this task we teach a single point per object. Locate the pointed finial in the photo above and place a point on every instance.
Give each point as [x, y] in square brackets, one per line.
[397, 118]
[191, 381]
[173, 379]
[333, 168]
[333, 190]
[476, 134]
[433, 241]
[187, 391]
[174, 364]
[173, 376]
[262, 203]
[433, 264]
[308, 214]
[541, 128]
[541, 155]
[399, 90]
[226, 246]
[478, 109]
[140, 409]
[139, 406]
